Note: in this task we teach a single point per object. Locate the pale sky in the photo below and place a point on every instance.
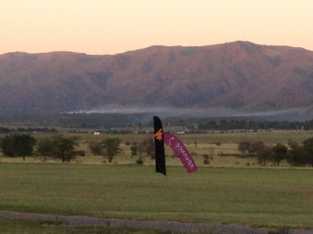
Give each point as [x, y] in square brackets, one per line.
[112, 26]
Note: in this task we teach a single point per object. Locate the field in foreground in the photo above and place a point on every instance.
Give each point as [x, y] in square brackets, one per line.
[12, 227]
[258, 197]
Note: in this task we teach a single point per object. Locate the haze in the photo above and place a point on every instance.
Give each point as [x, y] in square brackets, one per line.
[113, 26]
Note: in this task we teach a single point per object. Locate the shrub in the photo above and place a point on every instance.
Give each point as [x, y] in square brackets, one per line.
[256, 147]
[147, 147]
[139, 161]
[244, 147]
[96, 148]
[133, 149]
[206, 159]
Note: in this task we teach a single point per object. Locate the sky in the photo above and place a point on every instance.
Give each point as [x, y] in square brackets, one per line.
[114, 26]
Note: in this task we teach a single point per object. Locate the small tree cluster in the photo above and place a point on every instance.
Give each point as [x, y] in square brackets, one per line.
[295, 154]
[142, 149]
[58, 147]
[107, 148]
[301, 154]
[18, 145]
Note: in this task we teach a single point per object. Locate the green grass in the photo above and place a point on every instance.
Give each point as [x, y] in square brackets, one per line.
[18, 227]
[260, 197]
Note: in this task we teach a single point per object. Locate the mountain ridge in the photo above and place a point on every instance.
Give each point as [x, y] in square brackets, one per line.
[238, 75]
[157, 46]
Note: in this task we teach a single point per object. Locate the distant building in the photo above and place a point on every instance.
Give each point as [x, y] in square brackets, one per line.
[96, 133]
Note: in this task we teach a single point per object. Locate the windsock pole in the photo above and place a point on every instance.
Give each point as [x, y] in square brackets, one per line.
[160, 165]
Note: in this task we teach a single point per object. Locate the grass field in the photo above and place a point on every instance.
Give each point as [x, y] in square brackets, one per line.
[13, 227]
[258, 197]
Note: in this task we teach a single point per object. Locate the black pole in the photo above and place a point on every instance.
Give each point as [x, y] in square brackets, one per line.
[160, 166]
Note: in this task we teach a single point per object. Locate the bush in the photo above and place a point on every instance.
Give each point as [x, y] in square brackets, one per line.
[147, 147]
[95, 148]
[139, 161]
[256, 147]
[207, 159]
[80, 153]
[244, 147]
[133, 149]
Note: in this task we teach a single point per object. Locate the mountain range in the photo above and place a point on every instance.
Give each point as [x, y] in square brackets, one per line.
[240, 76]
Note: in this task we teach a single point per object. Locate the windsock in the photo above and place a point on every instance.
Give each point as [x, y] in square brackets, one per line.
[180, 150]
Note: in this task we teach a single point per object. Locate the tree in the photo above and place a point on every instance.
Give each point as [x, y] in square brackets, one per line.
[8, 147]
[46, 148]
[256, 147]
[133, 149]
[108, 148]
[111, 147]
[18, 145]
[296, 155]
[147, 147]
[264, 155]
[96, 148]
[64, 148]
[308, 148]
[244, 147]
[58, 147]
[279, 152]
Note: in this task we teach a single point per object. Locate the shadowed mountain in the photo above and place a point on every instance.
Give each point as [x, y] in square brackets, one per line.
[238, 75]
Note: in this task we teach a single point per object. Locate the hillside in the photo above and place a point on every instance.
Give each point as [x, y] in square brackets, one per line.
[237, 75]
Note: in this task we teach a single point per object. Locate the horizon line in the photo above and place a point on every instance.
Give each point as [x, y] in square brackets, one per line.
[151, 46]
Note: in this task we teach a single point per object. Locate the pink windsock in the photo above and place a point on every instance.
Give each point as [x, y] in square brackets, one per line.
[181, 152]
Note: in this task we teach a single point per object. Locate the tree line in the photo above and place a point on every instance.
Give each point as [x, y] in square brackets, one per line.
[24, 145]
[293, 153]
[245, 124]
[64, 148]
